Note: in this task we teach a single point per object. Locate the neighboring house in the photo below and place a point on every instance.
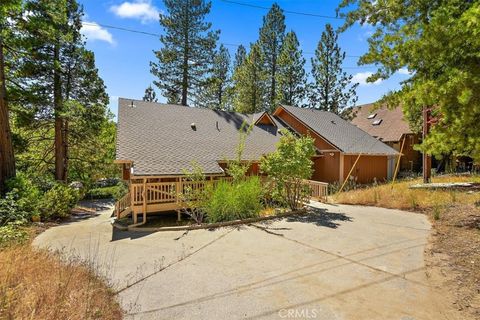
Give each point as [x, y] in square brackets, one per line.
[157, 142]
[390, 127]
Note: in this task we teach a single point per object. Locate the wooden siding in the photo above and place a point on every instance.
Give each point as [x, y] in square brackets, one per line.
[367, 169]
[265, 119]
[298, 126]
[411, 159]
[327, 168]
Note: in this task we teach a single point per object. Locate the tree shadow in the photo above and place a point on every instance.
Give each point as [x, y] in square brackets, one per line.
[233, 117]
[321, 218]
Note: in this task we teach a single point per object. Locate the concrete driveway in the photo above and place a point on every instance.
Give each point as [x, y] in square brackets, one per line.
[341, 262]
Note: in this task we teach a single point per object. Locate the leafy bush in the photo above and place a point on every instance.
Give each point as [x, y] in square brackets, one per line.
[59, 201]
[10, 210]
[288, 166]
[116, 192]
[12, 233]
[231, 201]
[26, 193]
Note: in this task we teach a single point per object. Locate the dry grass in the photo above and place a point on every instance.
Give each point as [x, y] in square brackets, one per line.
[454, 252]
[401, 197]
[37, 284]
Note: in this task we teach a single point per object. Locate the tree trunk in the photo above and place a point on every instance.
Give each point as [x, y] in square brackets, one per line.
[7, 159]
[60, 154]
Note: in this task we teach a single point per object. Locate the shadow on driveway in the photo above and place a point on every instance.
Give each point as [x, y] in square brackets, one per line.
[321, 218]
[125, 234]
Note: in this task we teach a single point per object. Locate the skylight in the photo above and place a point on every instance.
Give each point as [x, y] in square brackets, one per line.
[371, 116]
[377, 122]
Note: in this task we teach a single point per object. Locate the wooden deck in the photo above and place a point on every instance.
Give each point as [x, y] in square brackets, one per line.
[153, 197]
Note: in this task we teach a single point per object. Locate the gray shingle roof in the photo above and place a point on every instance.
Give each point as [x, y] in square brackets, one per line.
[342, 134]
[159, 139]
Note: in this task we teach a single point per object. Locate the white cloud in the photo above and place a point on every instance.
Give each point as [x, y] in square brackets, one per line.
[404, 71]
[137, 9]
[92, 31]
[361, 78]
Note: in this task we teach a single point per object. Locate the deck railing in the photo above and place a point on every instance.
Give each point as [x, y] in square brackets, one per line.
[319, 190]
[158, 193]
[122, 204]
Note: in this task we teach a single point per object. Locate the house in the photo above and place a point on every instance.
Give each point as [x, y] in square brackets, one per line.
[389, 126]
[156, 143]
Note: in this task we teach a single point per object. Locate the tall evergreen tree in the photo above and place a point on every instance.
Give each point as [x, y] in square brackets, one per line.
[240, 57]
[249, 82]
[214, 94]
[8, 11]
[291, 73]
[59, 83]
[150, 95]
[332, 89]
[272, 34]
[188, 46]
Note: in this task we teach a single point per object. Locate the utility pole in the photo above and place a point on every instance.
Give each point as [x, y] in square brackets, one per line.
[427, 160]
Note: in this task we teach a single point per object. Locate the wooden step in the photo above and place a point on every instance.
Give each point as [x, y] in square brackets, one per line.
[124, 213]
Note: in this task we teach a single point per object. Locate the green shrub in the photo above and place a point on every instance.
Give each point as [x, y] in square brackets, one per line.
[26, 193]
[10, 210]
[288, 166]
[232, 201]
[58, 201]
[115, 192]
[12, 233]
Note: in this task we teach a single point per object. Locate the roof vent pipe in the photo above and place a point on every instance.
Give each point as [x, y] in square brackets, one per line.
[193, 126]
[131, 104]
[218, 127]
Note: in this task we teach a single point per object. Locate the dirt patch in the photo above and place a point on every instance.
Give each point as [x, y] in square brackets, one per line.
[453, 256]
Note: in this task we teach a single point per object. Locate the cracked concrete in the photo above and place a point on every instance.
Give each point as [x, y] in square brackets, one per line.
[341, 262]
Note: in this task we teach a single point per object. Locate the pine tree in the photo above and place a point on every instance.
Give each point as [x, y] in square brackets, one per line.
[272, 34]
[249, 82]
[58, 83]
[8, 10]
[214, 94]
[188, 46]
[332, 89]
[240, 56]
[150, 95]
[439, 43]
[291, 73]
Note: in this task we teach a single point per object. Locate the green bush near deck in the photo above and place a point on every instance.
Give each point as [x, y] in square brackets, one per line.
[112, 192]
[231, 201]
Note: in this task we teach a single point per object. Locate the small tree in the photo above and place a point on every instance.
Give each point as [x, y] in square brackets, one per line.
[194, 195]
[288, 166]
[238, 168]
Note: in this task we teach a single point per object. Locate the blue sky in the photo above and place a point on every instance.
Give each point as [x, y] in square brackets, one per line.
[123, 57]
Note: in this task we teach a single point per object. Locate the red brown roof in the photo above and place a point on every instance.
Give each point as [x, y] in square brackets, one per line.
[384, 124]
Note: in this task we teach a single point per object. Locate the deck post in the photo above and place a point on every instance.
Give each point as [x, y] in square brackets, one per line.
[144, 209]
[132, 201]
[178, 190]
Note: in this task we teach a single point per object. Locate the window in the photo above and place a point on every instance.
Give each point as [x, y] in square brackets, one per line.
[373, 115]
[377, 122]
